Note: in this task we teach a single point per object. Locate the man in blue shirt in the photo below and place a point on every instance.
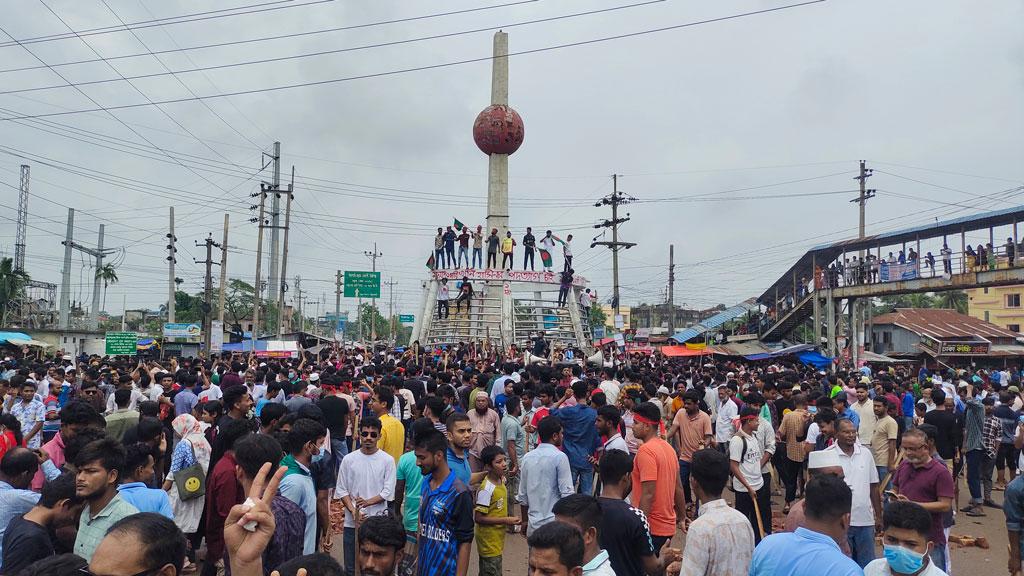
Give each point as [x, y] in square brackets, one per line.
[579, 435]
[304, 442]
[137, 472]
[841, 405]
[446, 511]
[17, 468]
[813, 550]
[460, 434]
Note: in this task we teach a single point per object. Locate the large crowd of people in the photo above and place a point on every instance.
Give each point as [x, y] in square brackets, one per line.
[114, 467]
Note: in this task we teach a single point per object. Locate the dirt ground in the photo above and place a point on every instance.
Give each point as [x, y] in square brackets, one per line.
[967, 561]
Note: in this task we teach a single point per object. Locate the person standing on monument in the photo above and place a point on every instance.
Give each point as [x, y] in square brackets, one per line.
[463, 246]
[567, 252]
[449, 247]
[507, 244]
[547, 243]
[492, 248]
[529, 243]
[439, 249]
[478, 244]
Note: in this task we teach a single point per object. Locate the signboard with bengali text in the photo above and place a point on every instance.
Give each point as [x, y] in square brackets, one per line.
[121, 343]
[362, 284]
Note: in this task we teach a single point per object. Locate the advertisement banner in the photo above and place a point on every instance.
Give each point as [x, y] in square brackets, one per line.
[183, 330]
[895, 272]
[277, 353]
[216, 336]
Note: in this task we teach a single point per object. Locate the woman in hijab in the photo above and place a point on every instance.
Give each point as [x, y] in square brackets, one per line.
[192, 448]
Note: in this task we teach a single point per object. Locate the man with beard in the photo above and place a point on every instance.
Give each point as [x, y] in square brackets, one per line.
[486, 430]
[100, 465]
[366, 483]
[691, 430]
[923, 479]
[27, 539]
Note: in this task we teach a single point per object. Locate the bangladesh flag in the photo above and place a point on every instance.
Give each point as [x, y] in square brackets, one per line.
[459, 225]
[545, 258]
[430, 262]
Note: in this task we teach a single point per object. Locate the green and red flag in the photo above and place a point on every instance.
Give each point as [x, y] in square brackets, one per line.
[459, 225]
[545, 258]
[430, 262]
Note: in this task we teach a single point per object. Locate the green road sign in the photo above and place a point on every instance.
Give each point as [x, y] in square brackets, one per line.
[406, 318]
[121, 343]
[362, 284]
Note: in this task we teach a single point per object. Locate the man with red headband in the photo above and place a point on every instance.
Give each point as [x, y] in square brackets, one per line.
[747, 457]
[656, 488]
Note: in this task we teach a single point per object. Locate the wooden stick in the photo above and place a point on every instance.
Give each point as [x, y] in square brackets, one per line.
[757, 512]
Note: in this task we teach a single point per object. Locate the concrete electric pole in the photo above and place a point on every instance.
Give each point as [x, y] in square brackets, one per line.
[671, 289]
[373, 324]
[208, 286]
[614, 200]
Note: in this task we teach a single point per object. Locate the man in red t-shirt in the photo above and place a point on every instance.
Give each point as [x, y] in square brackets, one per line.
[656, 488]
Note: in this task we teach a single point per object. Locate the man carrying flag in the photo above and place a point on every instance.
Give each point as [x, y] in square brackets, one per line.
[547, 245]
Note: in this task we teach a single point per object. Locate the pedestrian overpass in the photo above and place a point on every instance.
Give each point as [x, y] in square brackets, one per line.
[816, 287]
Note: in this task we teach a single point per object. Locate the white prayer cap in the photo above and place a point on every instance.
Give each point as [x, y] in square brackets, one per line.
[823, 459]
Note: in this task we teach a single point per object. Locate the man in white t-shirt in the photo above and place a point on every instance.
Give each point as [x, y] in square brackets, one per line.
[610, 386]
[442, 299]
[861, 476]
[746, 457]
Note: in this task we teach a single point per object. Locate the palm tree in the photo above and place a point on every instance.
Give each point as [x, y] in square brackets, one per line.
[108, 274]
[12, 286]
[953, 299]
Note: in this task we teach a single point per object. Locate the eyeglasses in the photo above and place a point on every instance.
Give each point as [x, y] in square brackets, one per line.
[90, 391]
[369, 434]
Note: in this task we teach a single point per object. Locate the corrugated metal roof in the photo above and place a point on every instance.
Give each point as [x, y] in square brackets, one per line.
[942, 324]
[715, 321]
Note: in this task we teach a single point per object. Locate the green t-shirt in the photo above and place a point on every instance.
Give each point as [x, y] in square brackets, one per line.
[410, 473]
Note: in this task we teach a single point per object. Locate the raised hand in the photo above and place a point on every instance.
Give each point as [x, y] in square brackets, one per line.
[245, 547]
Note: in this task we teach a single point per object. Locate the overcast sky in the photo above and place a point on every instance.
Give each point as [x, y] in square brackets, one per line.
[740, 137]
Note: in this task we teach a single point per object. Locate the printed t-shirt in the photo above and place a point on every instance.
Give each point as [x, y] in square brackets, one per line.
[492, 501]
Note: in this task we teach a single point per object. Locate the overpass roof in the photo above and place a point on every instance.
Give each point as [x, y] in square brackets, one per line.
[825, 253]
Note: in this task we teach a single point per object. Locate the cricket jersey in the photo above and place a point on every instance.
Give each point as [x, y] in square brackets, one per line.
[446, 521]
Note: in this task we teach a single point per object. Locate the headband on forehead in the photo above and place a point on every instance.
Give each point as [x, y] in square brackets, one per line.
[748, 418]
[641, 419]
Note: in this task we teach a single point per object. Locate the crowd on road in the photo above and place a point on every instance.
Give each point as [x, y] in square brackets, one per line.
[115, 467]
[444, 255]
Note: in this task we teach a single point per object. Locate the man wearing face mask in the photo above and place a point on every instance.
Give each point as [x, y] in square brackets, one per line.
[304, 444]
[366, 483]
[906, 527]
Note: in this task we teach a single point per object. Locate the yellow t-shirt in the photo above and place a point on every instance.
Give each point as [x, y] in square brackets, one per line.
[392, 436]
[506, 245]
[492, 501]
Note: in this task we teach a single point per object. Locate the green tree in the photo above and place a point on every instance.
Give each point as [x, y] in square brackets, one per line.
[238, 300]
[108, 274]
[12, 287]
[368, 316]
[952, 299]
[597, 317]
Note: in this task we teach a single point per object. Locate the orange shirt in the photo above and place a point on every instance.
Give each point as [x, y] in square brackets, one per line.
[656, 461]
[692, 431]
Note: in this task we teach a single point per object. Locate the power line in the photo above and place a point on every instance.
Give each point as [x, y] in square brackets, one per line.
[428, 66]
[285, 36]
[334, 51]
[199, 16]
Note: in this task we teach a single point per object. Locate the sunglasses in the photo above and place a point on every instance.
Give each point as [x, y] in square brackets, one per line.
[84, 571]
[90, 391]
[369, 434]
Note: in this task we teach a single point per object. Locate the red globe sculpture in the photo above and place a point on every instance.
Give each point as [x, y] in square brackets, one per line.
[498, 130]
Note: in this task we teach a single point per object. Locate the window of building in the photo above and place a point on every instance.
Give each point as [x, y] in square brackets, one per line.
[886, 337]
[985, 289]
[986, 315]
[1013, 300]
[1013, 327]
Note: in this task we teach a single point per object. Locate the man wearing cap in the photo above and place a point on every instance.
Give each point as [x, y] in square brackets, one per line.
[818, 462]
[862, 477]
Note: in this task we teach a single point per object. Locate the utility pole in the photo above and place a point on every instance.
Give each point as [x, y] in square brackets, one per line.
[99, 253]
[171, 261]
[275, 223]
[614, 200]
[337, 300]
[671, 289]
[373, 324]
[19, 238]
[65, 284]
[284, 257]
[391, 306]
[298, 302]
[261, 224]
[208, 286]
[223, 272]
[865, 195]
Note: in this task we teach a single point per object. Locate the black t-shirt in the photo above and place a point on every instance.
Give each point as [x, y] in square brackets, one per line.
[625, 534]
[781, 406]
[335, 410]
[417, 387]
[25, 543]
[948, 437]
